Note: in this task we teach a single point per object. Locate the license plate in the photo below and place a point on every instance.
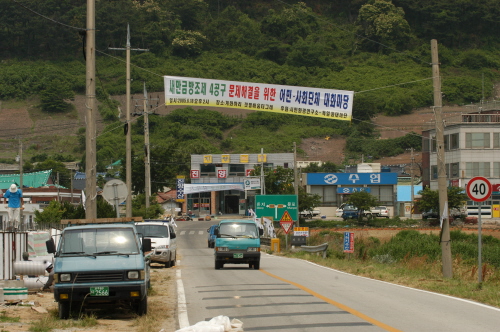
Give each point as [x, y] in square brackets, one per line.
[99, 291]
[237, 255]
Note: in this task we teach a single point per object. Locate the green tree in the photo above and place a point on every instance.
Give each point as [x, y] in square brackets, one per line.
[139, 207]
[383, 23]
[363, 201]
[430, 199]
[54, 95]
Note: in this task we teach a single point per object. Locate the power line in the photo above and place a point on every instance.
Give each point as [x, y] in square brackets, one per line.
[48, 18]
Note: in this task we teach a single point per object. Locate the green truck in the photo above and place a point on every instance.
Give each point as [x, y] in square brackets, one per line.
[101, 264]
[237, 242]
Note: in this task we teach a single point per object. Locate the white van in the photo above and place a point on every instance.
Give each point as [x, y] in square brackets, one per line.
[163, 240]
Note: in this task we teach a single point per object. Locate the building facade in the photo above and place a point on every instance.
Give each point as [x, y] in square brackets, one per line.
[220, 183]
[472, 148]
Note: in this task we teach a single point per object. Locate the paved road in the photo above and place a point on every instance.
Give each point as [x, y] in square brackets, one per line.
[295, 295]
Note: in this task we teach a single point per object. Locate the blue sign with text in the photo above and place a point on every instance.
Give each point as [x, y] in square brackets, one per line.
[351, 178]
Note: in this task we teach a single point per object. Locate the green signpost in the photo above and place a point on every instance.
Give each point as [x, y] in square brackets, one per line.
[275, 206]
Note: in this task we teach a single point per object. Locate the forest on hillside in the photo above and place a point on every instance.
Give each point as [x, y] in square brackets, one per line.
[380, 49]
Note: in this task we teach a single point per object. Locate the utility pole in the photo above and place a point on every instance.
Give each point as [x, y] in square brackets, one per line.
[147, 167]
[21, 179]
[411, 175]
[295, 177]
[90, 136]
[128, 145]
[146, 149]
[262, 177]
[442, 185]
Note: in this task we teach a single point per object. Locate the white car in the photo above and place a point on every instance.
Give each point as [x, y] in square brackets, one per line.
[340, 210]
[163, 240]
[380, 211]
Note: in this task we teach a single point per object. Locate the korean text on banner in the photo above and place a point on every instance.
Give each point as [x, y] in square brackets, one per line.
[285, 99]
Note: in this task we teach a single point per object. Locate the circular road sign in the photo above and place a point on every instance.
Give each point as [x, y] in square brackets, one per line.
[479, 189]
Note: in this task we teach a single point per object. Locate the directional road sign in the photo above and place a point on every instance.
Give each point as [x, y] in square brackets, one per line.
[276, 205]
[479, 189]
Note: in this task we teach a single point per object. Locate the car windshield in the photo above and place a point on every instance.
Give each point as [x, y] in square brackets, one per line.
[350, 208]
[153, 230]
[101, 241]
[238, 230]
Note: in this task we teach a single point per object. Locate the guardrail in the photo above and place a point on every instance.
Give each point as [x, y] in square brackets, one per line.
[321, 248]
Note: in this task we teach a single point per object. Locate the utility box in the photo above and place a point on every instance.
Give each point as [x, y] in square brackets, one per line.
[275, 245]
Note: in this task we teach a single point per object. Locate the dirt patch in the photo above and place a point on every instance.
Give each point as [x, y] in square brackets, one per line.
[162, 309]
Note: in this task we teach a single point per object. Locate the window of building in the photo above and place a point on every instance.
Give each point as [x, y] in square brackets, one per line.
[477, 140]
[453, 141]
[434, 172]
[207, 170]
[237, 169]
[496, 140]
[328, 194]
[496, 170]
[454, 170]
[477, 169]
[433, 144]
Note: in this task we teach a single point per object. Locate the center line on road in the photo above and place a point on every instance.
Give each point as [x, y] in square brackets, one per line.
[337, 304]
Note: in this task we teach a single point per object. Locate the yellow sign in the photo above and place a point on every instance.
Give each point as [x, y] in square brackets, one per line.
[262, 158]
[225, 158]
[286, 216]
[301, 229]
[244, 158]
[207, 159]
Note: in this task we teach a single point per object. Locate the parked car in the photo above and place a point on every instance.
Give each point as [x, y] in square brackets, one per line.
[380, 211]
[211, 236]
[163, 240]
[352, 212]
[430, 214]
[310, 213]
[340, 209]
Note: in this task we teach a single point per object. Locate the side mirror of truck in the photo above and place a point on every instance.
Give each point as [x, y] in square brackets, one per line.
[146, 245]
[261, 231]
[216, 231]
[173, 235]
[51, 246]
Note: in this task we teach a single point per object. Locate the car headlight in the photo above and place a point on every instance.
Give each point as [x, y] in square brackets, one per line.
[133, 274]
[253, 249]
[222, 248]
[65, 277]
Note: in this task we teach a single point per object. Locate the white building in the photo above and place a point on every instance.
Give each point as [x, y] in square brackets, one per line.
[472, 148]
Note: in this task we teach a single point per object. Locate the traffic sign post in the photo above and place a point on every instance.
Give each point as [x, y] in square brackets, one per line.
[286, 225]
[479, 189]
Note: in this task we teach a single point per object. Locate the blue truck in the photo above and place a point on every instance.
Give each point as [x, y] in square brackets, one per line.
[237, 242]
[101, 264]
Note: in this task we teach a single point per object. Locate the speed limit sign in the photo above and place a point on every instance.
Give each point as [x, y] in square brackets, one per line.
[479, 189]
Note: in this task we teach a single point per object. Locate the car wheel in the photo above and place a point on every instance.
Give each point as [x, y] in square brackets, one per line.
[218, 265]
[168, 263]
[64, 310]
[256, 265]
[141, 308]
[173, 260]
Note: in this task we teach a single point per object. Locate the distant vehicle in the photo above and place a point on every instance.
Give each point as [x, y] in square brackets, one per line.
[340, 209]
[237, 242]
[380, 211]
[163, 240]
[211, 236]
[352, 212]
[310, 213]
[430, 214]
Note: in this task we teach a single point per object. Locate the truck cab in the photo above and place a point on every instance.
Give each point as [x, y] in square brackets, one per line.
[163, 240]
[237, 242]
[100, 264]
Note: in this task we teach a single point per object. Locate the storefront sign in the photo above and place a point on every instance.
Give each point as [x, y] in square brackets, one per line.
[351, 178]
